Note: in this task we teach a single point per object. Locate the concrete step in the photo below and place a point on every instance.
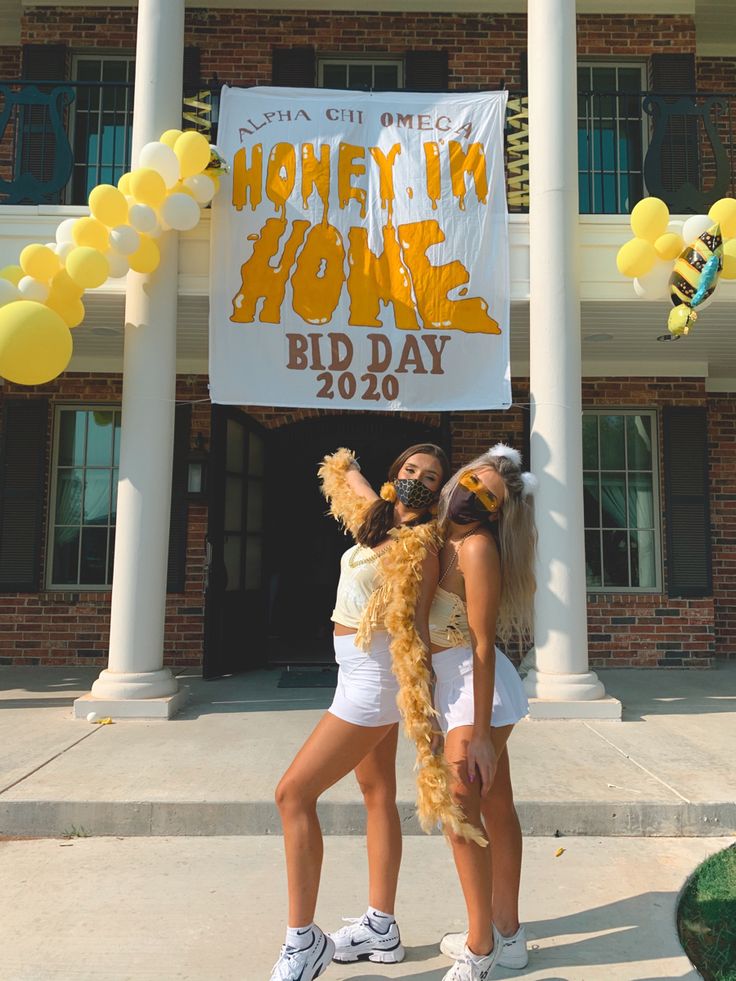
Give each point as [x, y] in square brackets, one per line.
[44, 818]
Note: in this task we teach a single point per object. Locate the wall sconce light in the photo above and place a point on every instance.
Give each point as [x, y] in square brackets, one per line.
[197, 471]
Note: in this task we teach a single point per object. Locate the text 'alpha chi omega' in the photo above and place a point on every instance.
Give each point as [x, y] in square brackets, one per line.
[360, 251]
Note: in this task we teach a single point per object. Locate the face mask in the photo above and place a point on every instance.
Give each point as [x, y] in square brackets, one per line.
[472, 501]
[414, 494]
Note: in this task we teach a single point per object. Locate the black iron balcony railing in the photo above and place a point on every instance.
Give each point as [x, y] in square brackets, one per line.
[58, 140]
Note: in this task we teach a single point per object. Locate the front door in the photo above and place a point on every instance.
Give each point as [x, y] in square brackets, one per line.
[304, 544]
[236, 591]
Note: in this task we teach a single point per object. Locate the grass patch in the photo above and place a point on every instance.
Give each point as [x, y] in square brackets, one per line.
[706, 918]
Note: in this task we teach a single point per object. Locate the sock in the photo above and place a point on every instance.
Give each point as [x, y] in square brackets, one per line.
[300, 937]
[379, 921]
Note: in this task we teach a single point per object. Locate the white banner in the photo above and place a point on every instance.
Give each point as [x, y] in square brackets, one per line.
[360, 251]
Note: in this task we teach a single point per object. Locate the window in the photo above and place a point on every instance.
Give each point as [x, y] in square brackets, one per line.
[610, 137]
[103, 121]
[84, 497]
[621, 501]
[365, 75]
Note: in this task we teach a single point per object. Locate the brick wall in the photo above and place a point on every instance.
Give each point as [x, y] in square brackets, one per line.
[645, 630]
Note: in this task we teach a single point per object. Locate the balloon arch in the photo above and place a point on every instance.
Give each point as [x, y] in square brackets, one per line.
[41, 297]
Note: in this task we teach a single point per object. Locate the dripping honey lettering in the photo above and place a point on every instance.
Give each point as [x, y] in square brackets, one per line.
[312, 256]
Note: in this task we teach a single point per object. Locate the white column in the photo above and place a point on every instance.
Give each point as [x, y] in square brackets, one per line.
[135, 683]
[560, 683]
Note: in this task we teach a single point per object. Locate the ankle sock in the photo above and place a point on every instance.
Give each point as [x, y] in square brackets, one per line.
[379, 921]
[301, 937]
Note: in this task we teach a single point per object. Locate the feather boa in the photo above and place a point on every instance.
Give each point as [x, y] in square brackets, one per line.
[346, 506]
[394, 605]
[401, 566]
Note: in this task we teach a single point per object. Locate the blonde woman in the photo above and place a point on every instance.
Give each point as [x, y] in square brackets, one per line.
[486, 590]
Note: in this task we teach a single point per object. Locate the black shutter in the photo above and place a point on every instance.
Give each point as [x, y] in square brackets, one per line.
[179, 508]
[524, 71]
[686, 502]
[675, 73]
[294, 67]
[22, 491]
[426, 71]
[192, 71]
[37, 143]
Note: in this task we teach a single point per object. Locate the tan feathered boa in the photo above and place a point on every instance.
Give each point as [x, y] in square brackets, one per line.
[394, 604]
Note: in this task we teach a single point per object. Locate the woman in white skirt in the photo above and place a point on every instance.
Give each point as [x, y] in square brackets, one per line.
[359, 731]
[485, 591]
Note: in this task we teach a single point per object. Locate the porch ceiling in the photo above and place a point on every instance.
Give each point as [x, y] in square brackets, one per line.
[630, 349]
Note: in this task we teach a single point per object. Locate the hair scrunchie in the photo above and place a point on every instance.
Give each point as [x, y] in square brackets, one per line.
[388, 492]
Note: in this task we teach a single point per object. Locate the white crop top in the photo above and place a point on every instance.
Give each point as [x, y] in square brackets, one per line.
[359, 579]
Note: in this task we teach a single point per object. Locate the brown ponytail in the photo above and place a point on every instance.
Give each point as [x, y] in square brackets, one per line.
[380, 517]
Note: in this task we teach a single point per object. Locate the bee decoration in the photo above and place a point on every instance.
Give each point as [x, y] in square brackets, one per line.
[694, 279]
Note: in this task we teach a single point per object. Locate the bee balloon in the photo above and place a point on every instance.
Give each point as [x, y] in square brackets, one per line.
[694, 278]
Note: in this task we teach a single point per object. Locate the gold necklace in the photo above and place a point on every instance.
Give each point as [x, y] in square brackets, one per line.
[353, 563]
[453, 560]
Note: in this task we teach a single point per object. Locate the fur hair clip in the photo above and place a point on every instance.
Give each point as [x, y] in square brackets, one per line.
[502, 450]
[531, 484]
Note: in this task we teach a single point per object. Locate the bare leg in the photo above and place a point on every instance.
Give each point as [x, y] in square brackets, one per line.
[473, 862]
[376, 775]
[333, 750]
[504, 833]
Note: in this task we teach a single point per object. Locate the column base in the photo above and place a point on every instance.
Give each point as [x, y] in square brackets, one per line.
[135, 684]
[597, 708]
[568, 696]
[165, 707]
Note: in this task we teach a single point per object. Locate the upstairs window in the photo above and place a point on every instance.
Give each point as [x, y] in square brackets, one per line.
[360, 74]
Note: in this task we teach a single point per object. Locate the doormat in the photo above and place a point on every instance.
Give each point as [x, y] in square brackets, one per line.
[315, 678]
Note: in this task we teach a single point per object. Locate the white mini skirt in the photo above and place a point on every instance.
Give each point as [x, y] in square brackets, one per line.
[366, 687]
[453, 695]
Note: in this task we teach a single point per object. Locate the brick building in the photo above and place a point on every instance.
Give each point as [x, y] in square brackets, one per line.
[659, 420]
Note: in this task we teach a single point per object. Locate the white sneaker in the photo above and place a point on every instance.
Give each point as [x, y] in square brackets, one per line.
[306, 964]
[469, 967]
[359, 939]
[513, 949]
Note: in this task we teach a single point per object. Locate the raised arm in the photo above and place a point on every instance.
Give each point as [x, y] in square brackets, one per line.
[481, 568]
[347, 491]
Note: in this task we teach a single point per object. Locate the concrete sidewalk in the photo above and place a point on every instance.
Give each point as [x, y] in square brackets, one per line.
[212, 909]
[666, 769]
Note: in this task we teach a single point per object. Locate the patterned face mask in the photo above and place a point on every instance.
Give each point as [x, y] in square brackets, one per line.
[414, 494]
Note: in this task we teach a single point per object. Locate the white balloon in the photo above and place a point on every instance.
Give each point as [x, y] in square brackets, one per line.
[8, 292]
[162, 159]
[64, 231]
[655, 285]
[32, 289]
[124, 239]
[92, 717]
[202, 187]
[143, 218]
[63, 249]
[675, 227]
[695, 226]
[119, 266]
[181, 212]
[51, 246]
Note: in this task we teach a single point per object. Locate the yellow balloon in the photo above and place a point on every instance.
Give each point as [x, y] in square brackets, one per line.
[170, 137]
[70, 311]
[147, 186]
[40, 262]
[724, 212]
[649, 219]
[729, 260]
[193, 152]
[35, 343]
[124, 185]
[87, 267]
[108, 205]
[669, 245]
[13, 274]
[63, 285]
[636, 258]
[146, 257]
[181, 188]
[92, 233]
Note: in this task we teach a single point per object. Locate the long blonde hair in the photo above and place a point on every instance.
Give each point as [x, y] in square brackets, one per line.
[517, 536]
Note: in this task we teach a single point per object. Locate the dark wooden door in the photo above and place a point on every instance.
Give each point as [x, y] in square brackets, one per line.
[304, 544]
[236, 604]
